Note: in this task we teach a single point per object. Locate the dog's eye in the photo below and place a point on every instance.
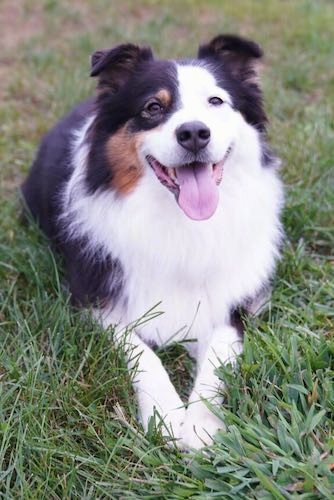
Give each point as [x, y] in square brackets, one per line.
[216, 101]
[152, 108]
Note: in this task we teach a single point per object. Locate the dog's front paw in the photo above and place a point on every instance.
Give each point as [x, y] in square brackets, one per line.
[171, 423]
[168, 416]
[199, 427]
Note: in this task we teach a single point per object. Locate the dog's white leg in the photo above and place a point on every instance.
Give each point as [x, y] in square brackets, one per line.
[155, 392]
[200, 423]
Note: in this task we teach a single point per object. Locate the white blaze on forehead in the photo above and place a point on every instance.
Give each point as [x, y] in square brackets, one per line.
[196, 84]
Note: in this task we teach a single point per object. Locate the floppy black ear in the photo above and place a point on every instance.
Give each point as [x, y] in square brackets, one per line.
[239, 55]
[115, 66]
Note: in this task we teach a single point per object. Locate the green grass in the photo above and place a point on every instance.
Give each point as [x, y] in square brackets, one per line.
[68, 425]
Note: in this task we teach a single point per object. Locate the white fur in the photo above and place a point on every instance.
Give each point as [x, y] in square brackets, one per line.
[200, 424]
[195, 271]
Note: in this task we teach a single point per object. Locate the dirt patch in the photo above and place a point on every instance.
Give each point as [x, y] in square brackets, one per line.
[18, 24]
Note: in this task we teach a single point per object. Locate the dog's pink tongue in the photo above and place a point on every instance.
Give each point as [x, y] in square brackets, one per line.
[199, 194]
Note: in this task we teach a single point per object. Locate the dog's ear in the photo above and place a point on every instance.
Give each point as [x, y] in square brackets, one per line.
[240, 56]
[115, 66]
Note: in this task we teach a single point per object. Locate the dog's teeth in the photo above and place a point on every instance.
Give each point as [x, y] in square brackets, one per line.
[171, 173]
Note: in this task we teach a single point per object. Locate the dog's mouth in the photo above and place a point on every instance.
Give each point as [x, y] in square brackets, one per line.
[195, 185]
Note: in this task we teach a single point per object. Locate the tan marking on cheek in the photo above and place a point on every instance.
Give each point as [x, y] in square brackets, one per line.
[122, 155]
[164, 97]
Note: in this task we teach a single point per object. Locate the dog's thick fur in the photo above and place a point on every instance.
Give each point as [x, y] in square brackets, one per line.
[162, 190]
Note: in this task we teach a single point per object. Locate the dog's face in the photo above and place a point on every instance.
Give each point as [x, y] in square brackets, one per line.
[176, 121]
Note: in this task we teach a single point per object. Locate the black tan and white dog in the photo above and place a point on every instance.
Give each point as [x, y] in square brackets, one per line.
[162, 189]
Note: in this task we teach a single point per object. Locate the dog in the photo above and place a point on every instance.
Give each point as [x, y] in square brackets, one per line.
[161, 191]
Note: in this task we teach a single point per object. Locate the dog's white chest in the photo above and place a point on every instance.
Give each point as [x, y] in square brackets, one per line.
[193, 272]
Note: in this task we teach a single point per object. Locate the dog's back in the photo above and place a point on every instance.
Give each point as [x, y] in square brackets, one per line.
[52, 168]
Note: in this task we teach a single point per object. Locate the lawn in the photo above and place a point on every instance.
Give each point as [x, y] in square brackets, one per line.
[68, 426]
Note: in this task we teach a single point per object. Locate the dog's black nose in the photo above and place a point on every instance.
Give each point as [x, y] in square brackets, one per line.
[193, 136]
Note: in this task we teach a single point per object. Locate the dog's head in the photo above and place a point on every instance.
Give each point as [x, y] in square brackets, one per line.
[175, 121]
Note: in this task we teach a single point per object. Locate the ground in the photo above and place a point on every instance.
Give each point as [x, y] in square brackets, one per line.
[68, 426]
